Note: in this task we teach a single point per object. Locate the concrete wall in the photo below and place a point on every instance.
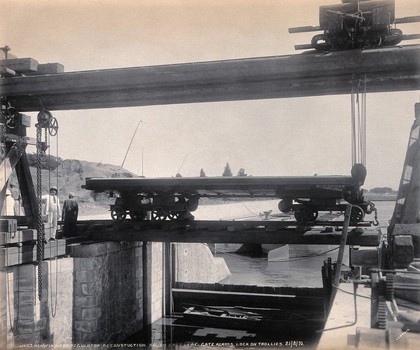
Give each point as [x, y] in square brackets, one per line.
[194, 262]
[156, 279]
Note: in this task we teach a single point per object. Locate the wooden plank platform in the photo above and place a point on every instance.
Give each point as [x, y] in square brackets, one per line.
[233, 232]
[314, 74]
[27, 253]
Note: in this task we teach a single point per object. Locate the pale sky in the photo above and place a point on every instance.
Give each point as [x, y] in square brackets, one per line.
[299, 136]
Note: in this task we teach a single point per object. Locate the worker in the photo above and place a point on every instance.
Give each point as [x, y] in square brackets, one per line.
[51, 208]
[8, 208]
[69, 215]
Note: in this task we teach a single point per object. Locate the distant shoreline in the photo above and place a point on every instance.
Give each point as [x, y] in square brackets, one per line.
[381, 197]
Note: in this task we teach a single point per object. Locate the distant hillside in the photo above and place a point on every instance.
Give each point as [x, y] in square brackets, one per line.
[71, 175]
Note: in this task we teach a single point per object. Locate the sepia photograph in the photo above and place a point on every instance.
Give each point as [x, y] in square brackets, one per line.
[210, 174]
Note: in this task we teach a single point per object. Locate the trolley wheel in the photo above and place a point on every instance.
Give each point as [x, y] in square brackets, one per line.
[118, 214]
[285, 205]
[357, 214]
[192, 204]
[306, 214]
[159, 215]
[174, 215]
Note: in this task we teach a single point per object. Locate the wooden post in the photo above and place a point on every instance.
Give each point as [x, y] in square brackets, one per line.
[340, 256]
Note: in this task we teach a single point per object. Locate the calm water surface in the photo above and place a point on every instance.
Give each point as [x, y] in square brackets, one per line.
[295, 272]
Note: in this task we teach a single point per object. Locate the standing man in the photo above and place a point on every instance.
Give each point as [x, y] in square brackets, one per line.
[51, 208]
[70, 212]
[8, 208]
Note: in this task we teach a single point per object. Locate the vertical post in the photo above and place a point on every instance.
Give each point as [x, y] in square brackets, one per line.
[168, 278]
[340, 256]
[147, 291]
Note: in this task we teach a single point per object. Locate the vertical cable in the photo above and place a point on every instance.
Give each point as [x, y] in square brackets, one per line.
[353, 130]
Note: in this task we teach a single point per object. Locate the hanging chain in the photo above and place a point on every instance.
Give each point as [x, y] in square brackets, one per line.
[40, 224]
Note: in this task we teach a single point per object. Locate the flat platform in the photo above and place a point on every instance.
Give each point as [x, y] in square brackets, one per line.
[203, 231]
[223, 186]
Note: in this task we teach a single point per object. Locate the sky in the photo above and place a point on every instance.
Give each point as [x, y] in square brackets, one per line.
[273, 137]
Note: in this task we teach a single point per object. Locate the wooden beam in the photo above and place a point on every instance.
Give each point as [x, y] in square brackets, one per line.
[20, 65]
[210, 234]
[309, 74]
[49, 68]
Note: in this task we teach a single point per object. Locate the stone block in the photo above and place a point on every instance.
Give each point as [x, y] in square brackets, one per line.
[85, 276]
[89, 288]
[22, 285]
[86, 326]
[77, 289]
[26, 297]
[85, 301]
[25, 312]
[25, 326]
[88, 264]
[77, 313]
[89, 314]
[29, 338]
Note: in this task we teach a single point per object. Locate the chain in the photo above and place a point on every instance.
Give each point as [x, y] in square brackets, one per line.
[40, 224]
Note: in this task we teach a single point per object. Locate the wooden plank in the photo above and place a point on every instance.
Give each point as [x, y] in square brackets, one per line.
[10, 256]
[207, 297]
[391, 69]
[20, 65]
[8, 225]
[370, 237]
[49, 68]
[54, 248]
[20, 236]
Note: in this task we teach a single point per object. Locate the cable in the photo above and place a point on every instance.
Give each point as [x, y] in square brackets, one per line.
[355, 309]
[304, 257]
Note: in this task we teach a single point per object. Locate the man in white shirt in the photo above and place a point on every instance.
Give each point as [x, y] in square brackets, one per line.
[51, 208]
[8, 208]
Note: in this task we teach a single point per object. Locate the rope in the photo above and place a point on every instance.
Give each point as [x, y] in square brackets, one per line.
[54, 309]
[358, 121]
[304, 257]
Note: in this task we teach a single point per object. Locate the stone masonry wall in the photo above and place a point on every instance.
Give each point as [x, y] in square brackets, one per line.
[27, 318]
[107, 292]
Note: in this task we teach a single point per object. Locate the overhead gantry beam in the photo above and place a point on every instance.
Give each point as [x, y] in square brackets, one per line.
[307, 74]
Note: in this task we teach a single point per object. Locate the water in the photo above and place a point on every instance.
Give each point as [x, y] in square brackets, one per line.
[295, 272]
